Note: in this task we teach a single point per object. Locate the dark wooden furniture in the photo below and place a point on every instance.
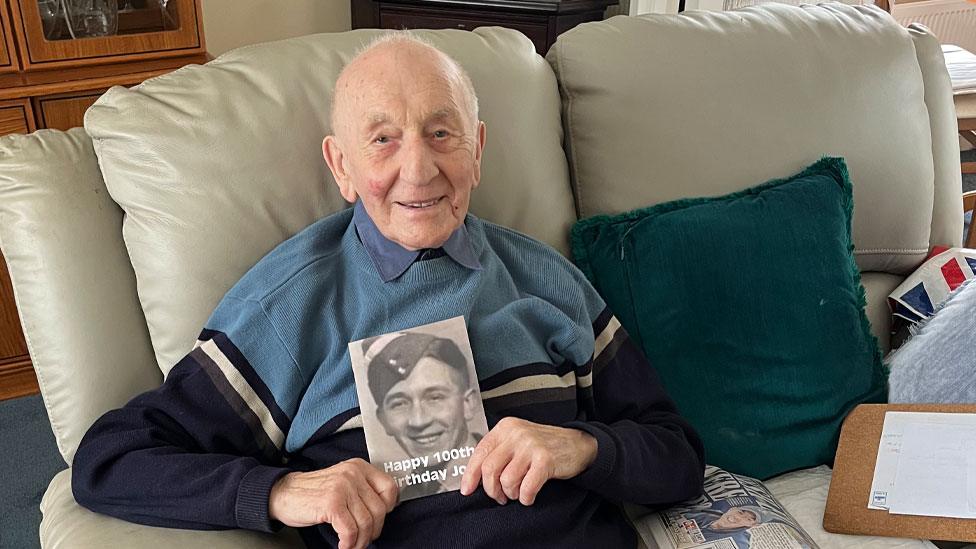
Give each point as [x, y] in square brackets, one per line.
[16, 372]
[541, 20]
[48, 79]
[966, 118]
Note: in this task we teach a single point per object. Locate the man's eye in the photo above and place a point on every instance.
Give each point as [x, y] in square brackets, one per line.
[382, 140]
[398, 404]
[440, 134]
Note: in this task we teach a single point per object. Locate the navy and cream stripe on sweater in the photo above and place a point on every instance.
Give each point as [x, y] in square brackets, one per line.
[268, 389]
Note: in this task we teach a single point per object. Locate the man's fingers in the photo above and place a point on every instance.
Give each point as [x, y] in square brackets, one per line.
[364, 520]
[511, 477]
[384, 486]
[345, 525]
[472, 472]
[491, 471]
[536, 476]
[377, 508]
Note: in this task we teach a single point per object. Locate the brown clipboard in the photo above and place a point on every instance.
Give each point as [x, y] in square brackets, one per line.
[850, 486]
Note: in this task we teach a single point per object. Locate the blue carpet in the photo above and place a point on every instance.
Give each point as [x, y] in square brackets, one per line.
[29, 459]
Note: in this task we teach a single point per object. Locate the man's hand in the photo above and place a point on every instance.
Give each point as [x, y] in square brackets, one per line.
[517, 457]
[353, 496]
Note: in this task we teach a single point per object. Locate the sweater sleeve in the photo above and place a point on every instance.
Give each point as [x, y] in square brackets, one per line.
[647, 453]
[203, 450]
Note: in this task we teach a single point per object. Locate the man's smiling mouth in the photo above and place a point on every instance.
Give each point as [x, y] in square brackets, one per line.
[426, 440]
[421, 204]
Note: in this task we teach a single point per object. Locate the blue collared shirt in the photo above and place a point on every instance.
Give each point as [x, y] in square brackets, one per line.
[392, 260]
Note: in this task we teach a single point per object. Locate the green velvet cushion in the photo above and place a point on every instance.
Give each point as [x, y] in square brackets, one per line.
[750, 306]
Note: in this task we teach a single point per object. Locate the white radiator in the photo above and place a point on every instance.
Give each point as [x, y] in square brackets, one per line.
[953, 21]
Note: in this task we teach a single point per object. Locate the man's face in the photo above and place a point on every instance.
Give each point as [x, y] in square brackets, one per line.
[735, 518]
[406, 144]
[428, 410]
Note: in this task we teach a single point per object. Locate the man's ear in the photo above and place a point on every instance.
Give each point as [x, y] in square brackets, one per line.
[337, 164]
[482, 135]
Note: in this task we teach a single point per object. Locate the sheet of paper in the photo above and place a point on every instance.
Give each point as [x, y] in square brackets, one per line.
[933, 470]
[932, 474]
[886, 466]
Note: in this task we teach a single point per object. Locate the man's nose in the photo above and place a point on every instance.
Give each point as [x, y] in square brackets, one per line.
[419, 417]
[417, 166]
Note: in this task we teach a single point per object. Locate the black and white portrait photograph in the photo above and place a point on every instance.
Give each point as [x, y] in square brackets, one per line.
[420, 403]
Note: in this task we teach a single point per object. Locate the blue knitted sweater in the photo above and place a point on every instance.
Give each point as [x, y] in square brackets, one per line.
[268, 389]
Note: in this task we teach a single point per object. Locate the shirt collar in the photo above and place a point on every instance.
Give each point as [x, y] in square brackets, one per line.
[392, 260]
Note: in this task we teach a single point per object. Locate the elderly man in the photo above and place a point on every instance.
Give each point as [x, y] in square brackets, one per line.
[259, 424]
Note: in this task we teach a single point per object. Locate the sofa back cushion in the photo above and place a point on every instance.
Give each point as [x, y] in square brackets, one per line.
[658, 108]
[215, 165]
[947, 217]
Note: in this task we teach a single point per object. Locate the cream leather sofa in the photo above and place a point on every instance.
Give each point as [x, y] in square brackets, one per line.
[122, 236]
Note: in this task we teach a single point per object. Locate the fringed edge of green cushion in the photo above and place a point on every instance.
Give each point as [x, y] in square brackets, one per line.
[839, 166]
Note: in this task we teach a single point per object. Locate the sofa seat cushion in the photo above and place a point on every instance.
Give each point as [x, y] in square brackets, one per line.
[67, 525]
[804, 494]
[750, 307]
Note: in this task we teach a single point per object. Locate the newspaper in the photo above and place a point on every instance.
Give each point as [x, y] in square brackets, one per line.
[735, 512]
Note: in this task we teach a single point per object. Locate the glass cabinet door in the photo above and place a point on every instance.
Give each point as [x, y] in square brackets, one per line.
[58, 33]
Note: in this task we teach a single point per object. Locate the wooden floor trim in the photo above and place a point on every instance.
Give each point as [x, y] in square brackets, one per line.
[17, 378]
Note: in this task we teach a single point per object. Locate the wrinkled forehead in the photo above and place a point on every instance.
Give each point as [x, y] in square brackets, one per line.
[389, 85]
[399, 93]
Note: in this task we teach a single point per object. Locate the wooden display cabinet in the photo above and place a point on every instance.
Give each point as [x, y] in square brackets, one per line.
[150, 32]
[540, 20]
[50, 75]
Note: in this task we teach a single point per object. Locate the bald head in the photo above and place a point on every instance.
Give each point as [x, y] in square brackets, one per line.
[397, 55]
[406, 140]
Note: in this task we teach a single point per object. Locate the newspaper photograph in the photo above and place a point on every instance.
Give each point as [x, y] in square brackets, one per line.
[421, 407]
[735, 512]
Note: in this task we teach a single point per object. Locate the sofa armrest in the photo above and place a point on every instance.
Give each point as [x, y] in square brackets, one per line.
[68, 525]
[61, 235]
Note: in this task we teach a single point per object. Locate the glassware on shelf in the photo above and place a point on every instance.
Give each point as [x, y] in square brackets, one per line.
[70, 19]
[65, 19]
[88, 18]
[52, 19]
